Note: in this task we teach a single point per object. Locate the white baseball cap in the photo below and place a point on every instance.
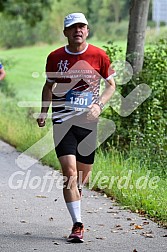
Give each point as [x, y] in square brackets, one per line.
[75, 18]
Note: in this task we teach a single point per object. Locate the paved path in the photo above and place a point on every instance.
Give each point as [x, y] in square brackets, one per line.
[33, 216]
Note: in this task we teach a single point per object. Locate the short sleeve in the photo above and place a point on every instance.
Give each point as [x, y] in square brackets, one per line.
[1, 65]
[49, 69]
[106, 69]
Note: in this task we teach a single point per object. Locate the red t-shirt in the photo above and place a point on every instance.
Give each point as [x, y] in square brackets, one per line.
[80, 72]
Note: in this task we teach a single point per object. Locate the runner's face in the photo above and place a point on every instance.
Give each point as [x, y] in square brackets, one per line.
[76, 33]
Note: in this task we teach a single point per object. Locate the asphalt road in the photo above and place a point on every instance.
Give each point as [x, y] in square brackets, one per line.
[33, 215]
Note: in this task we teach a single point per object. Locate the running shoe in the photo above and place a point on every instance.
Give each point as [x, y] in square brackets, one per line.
[76, 235]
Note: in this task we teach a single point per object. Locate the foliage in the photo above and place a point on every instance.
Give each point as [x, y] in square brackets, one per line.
[145, 129]
[31, 11]
[23, 18]
[111, 30]
[42, 21]
[153, 113]
[9, 29]
[113, 51]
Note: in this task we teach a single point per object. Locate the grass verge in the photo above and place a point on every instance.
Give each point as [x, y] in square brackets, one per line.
[133, 185]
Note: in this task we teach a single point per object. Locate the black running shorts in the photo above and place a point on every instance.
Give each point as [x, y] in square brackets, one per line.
[78, 141]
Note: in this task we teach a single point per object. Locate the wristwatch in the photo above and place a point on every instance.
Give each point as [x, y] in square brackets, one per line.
[100, 104]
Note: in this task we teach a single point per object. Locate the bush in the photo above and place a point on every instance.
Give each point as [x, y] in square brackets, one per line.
[14, 33]
[26, 35]
[153, 113]
[145, 129]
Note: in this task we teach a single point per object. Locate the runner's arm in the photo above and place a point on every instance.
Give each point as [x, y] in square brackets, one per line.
[108, 91]
[46, 101]
[95, 109]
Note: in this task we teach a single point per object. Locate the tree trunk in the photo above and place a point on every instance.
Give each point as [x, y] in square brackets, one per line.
[136, 34]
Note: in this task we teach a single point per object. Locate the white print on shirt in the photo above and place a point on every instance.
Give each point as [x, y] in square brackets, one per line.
[62, 66]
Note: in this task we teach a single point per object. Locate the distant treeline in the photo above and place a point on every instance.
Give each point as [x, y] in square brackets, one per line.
[42, 21]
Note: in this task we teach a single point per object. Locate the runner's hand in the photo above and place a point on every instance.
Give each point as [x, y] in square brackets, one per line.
[41, 119]
[94, 111]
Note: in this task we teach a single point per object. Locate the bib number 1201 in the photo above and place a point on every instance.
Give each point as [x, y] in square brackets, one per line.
[79, 101]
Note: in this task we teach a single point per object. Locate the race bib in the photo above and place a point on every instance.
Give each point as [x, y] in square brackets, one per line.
[78, 100]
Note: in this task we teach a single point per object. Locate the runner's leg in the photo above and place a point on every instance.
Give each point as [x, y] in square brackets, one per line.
[68, 165]
[83, 173]
[70, 190]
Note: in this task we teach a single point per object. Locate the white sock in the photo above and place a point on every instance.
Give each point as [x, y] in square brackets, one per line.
[74, 209]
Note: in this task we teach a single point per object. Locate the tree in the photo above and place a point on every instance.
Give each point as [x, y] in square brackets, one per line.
[30, 10]
[116, 8]
[136, 33]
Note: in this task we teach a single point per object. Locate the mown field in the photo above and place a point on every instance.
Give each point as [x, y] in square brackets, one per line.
[123, 178]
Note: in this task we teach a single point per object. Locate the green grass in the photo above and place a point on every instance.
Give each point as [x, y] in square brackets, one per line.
[22, 63]
[19, 128]
[131, 184]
